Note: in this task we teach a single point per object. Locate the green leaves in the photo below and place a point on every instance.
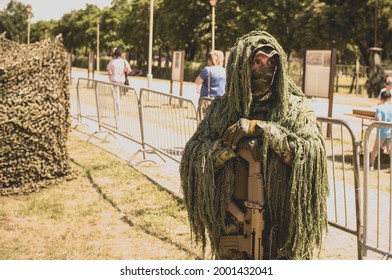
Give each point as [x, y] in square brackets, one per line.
[350, 26]
[13, 20]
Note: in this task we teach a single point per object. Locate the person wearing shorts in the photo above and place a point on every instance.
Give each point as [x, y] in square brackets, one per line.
[383, 113]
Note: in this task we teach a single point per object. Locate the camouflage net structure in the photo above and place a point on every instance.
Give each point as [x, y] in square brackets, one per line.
[34, 115]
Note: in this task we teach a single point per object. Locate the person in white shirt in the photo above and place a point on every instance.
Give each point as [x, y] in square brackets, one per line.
[117, 68]
[388, 86]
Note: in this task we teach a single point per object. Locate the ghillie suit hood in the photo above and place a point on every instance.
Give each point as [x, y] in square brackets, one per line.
[295, 195]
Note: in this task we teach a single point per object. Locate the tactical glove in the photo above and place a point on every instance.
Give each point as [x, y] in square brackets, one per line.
[221, 153]
[275, 137]
[242, 128]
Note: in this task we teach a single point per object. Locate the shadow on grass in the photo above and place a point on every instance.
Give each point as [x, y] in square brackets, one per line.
[125, 218]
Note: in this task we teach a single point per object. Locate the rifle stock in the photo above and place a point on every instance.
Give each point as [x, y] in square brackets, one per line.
[249, 239]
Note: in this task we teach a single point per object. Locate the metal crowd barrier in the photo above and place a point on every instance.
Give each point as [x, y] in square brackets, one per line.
[114, 107]
[377, 198]
[85, 94]
[74, 102]
[162, 122]
[118, 110]
[344, 201]
[108, 98]
[167, 122]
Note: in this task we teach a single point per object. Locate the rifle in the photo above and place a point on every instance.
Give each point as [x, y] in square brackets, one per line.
[250, 224]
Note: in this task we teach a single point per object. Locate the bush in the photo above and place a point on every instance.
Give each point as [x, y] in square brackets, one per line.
[82, 62]
[190, 72]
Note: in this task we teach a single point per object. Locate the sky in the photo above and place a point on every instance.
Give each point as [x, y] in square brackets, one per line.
[55, 9]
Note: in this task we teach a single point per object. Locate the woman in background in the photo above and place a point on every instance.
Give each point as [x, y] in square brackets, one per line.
[213, 77]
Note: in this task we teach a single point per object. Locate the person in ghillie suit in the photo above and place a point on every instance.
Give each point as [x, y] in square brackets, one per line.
[261, 102]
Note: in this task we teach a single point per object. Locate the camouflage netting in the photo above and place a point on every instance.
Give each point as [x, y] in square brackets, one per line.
[34, 115]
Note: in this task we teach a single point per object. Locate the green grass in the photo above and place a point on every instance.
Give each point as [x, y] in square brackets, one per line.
[110, 211]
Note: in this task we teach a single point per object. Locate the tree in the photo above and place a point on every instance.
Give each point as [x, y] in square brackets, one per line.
[13, 21]
[42, 30]
[110, 26]
[66, 26]
[184, 25]
[79, 29]
[135, 29]
[350, 26]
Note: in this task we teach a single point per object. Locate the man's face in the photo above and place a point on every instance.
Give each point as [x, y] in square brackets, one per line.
[263, 70]
[262, 60]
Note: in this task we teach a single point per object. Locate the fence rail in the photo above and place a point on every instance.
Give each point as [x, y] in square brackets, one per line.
[349, 78]
[377, 199]
[167, 122]
[159, 121]
[118, 110]
[344, 201]
[85, 94]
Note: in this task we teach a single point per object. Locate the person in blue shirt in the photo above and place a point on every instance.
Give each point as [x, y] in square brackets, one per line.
[383, 113]
[213, 77]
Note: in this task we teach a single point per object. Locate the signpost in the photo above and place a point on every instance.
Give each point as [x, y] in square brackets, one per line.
[319, 74]
[177, 69]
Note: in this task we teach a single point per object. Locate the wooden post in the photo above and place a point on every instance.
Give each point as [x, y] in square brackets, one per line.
[331, 90]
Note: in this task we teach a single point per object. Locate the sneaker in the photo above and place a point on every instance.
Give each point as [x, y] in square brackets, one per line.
[371, 167]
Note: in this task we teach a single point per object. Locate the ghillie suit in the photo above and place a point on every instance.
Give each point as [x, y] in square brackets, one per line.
[295, 191]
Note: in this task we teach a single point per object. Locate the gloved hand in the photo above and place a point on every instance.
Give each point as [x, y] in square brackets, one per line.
[275, 136]
[221, 153]
[242, 128]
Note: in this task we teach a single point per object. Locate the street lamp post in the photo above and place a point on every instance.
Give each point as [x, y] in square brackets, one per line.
[213, 4]
[98, 22]
[29, 9]
[149, 75]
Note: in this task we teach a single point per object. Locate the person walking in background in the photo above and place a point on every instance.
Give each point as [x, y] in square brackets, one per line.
[213, 77]
[118, 68]
[387, 84]
[383, 113]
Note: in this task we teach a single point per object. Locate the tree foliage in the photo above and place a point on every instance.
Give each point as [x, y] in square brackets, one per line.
[351, 26]
[13, 21]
